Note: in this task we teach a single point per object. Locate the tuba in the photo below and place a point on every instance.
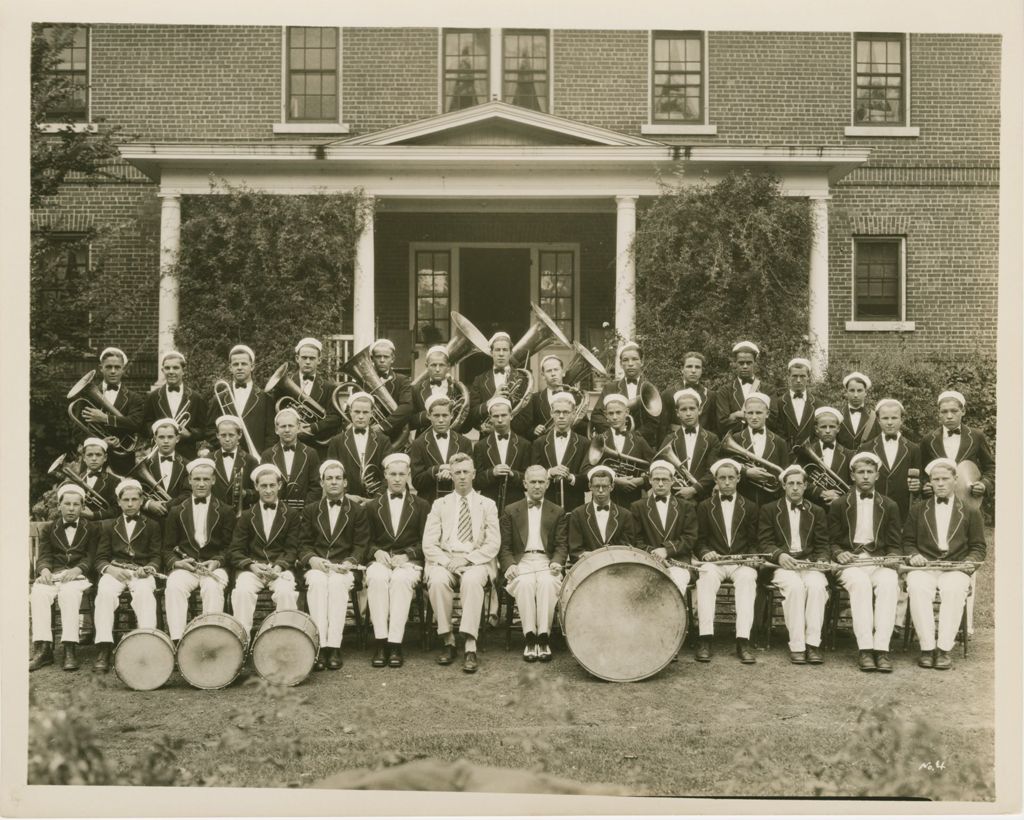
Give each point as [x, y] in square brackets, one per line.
[85, 394]
[465, 341]
[738, 452]
[622, 464]
[226, 403]
[647, 397]
[684, 478]
[292, 397]
[583, 364]
[92, 497]
[818, 474]
[541, 333]
[365, 378]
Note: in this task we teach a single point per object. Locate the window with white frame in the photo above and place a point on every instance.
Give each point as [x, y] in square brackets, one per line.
[312, 74]
[525, 69]
[70, 73]
[677, 80]
[879, 84]
[481, 64]
[878, 278]
[467, 60]
[433, 296]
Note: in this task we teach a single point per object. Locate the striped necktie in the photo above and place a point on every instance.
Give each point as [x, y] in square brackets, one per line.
[465, 523]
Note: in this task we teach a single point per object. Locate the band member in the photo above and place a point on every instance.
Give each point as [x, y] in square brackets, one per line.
[491, 382]
[666, 526]
[536, 416]
[832, 454]
[174, 400]
[501, 457]
[233, 466]
[333, 540]
[900, 468]
[431, 453]
[729, 398]
[66, 552]
[690, 379]
[112, 365]
[630, 385]
[793, 529]
[248, 403]
[764, 444]
[167, 467]
[127, 555]
[299, 464]
[792, 412]
[726, 526]
[460, 545]
[601, 522]
[397, 384]
[263, 548]
[361, 449]
[315, 434]
[97, 477]
[563, 453]
[858, 425]
[197, 535]
[864, 524]
[694, 446]
[958, 442]
[534, 548]
[942, 528]
[628, 488]
[439, 383]
[396, 519]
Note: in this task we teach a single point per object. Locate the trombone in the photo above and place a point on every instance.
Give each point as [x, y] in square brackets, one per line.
[226, 402]
[291, 397]
[87, 394]
[92, 497]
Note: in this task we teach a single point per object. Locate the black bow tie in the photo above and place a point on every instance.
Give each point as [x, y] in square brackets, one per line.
[937, 501]
[867, 496]
[166, 458]
[562, 435]
[954, 432]
[536, 505]
[499, 371]
[108, 387]
[436, 384]
[131, 518]
[270, 507]
[856, 410]
[241, 385]
[602, 507]
[440, 436]
[661, 499]
[689, 431]
[197, 500]
[174, 389]
[396, 496]
[825, 446]
[288, 448]
[757, 432]
[798, 506]
[798, 394]
[633, 382]
[502, 436]
[227, 455]
[334, 503]
[725, 497]
[358, 432]
[891, 437]
[70, 525]
[746, 379]
[95, 473]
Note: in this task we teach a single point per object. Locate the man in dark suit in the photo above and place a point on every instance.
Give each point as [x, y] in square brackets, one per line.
[864, 524]
[900, 469]
[166, 467]
[174, 400]
[792, 412]
[858, 424]
[764, 444]
[316, 434]
[490, 383]
[98, 478]
[832, 454]
[535, 419]
[942, 528]
[694, 446]
[66, 552]
[726, 526]
[628, 446]
[117, 429]
[534, 548]
[959, 443]
[233, 466]
[436, 382]
[396, 519]
[382, 352]
[299, 464]
[601, 523]
[361, 450]
[664, 525]
[197, 534]
[429, 454]
[690, 379]
[564, 454]
[633, 386]
[501, 457]
[729, 397]
[248, 403]
[333, 541]
[793, 529]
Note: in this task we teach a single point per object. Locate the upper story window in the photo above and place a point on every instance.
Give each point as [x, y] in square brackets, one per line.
[466, 68]
[879, 90]
[312, 74]
[878, 278]
[677, 77]
[72, 69]
[525, 74]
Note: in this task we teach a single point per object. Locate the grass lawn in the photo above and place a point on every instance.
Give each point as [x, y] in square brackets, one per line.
[695, 729]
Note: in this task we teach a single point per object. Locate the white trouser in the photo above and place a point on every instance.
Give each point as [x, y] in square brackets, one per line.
[180, 585]
[803, 605]
[744, 581]
[536, 592]
[107, 594]
[681, 577]
[441, 591]
[247, 587]
[69, 599]
[953, 588]
[327, 596]
[859, 582]
[389, 594]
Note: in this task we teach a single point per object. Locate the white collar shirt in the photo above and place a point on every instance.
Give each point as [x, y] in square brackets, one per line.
[360, 443]
[307, 384]
[795, 544]
[728, 508]
[561, 444]
[229, 463]
[602, 520]
[690, 440]
[500, 377]
[174, 399]
[856, 414]
[241, 396]
[662, 508]
[395, 506]
[165, 471]
[442, 446]
[631, 388]
[828, 455]
[891, 448]
[758, 440]
[289, 460]
[199, 516]
[534, 542]
[619, 439]
[333, 511]
[91, 480]
[864, 531]
[943, 513]
[747, 388]
[798, 405]
[439, 390]
[129, 527]
[110, 394]
[503, 447]
[268, 518]
[951, 445]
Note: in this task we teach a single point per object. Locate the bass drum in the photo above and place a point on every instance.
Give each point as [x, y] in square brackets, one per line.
[211, 651]
[285, 647]
[144, 659]
[623, 617]
[967, 473]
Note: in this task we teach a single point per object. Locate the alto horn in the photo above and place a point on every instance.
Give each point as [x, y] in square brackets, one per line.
[684, 476]
[622, 464]
[92, 497]
[818, 473]
[86, 394]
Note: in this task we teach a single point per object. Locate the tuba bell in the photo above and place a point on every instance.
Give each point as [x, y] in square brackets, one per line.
[291, 397]
[366, 379]
[466, 340]
[541, 333]
[85, 394]
[738, 452]
[583, 364]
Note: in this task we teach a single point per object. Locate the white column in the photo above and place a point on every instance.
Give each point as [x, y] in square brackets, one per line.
[362, 287]
[625, 269]
[170, 245]
[817, 326]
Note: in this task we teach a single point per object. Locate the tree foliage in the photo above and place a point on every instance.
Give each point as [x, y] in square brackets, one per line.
[263, 270]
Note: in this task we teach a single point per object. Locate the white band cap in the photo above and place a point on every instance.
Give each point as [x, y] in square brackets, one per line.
[64, 489]
[229, 419]
[883, 402]
[172, 354]
[260, 469]
[600, 469]
[497, 401]
[437, 349]
[799, 361]
[952, 394]
[243, 349]
[164, 422]
[630, 345]
[390, 345]
[749, 347]
[615, 397]
[792, 468]
[432, 400]
[828, 411]
[865, 456]
[661, 464]
[564, 396]
[761, 397]
[687, 392]
[287, 411]
[497, 337]
[200, 462]
[856, 376]
[93, 441]
[550, 358]
[309, 341]
[726, 462]
[401, 458]
[114, 351]
[331, 462]
[940, 462]
[360, 394]
[127, 484]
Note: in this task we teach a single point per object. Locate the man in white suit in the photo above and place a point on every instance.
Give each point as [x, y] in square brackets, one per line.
[460, 544]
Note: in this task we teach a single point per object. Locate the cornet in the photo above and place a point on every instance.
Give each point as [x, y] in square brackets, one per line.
[291, 397]
[96, 501]
[85, 394]
[226, 402]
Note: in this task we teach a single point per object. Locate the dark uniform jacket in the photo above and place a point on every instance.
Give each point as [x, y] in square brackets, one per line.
[56, 553]
[892, 480]
[343, 448]
[348, 539]
[226, 487]
[143, 549]
[425, 459]
[408, 539]
[966, 536]
[728, 399]
[480, 392]
[418, 420]
[643, 422]
[866, 431]
[678, 536]
[585, 533]
[180, 533]
[398, 385]
[840, 466]
[776, 450]
[635, 446]
[711, 534]
[842, 524]
[486, 457]
[774, 534]
[258, 418]
[782, 417]
[515, 533]
[568, 495]
[178, 487]
[130, 406]
[974, 447]
[156, 406]
[668, 422]
[320, 432]
[106, 481]
[705, 453]
[250, 543]
[302, 485]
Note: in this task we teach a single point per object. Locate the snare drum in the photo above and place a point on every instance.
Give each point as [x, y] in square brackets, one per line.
[623, 617]
[286, 647]
[144, 659]
[211, 651]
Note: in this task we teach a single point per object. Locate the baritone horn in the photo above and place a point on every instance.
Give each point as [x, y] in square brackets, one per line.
[92, 497]
[153, 490]
[466, 340]
[622, 464]
[86, 394]
[818, 473]
[683, 477]
[292, 398]
[738, 452]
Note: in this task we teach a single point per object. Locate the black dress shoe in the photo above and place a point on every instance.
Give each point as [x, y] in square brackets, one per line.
[318, 664]
[882, 662]
[703, 653]
[334, 660]
[866, 661]
[102, 663]
[70, 656]
[814, 655]
[447, 656]
[799, 658]
[380, 657]
[469, 664]
[42, 656]
[743, 651]
[942, 660]
[395, 660]
[543, 649]
[927, 660]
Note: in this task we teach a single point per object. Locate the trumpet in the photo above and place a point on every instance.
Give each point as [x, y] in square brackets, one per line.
[291, 397]
[92, 497]
[365, 378]
[739, 453]
[466, 340]
[136, 570]
[683, 478]
[820, 475]
[153, 490]
[226, 402]
[86, 394]
[622, 464]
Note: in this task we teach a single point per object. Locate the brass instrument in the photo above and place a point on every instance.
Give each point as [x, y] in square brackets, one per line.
[371, 479]
[332, 567]
[237, 491]
[87, 394]
[366, 379]
[226, 402]
[818, 473]
[647, 397]
[582, 365]
[891, 561]
[466, 340]
[622, 464]
[92, 497]
[136, 570]
[291, 397]
[738, 452]
[199, 568]
[683, 477]
[807, 566]
[152, 489]
[519, 384]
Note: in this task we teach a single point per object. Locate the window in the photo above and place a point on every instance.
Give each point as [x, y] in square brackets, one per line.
[677, 77]
[525, 78]
[556, 288]
[878, 279]
[312, 74]
[71, 69]
[879, 92]
[466, 68]
[433, 302]
[64, 280]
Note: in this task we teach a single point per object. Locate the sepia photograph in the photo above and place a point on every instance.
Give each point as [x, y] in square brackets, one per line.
[525, 409]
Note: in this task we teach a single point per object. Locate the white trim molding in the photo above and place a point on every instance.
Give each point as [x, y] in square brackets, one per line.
[664, 129]
[901, 325]
[896, 326]
[882, 131]
[73, 127]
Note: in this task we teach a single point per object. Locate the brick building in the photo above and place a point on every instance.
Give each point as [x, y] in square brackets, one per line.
[525, 152]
